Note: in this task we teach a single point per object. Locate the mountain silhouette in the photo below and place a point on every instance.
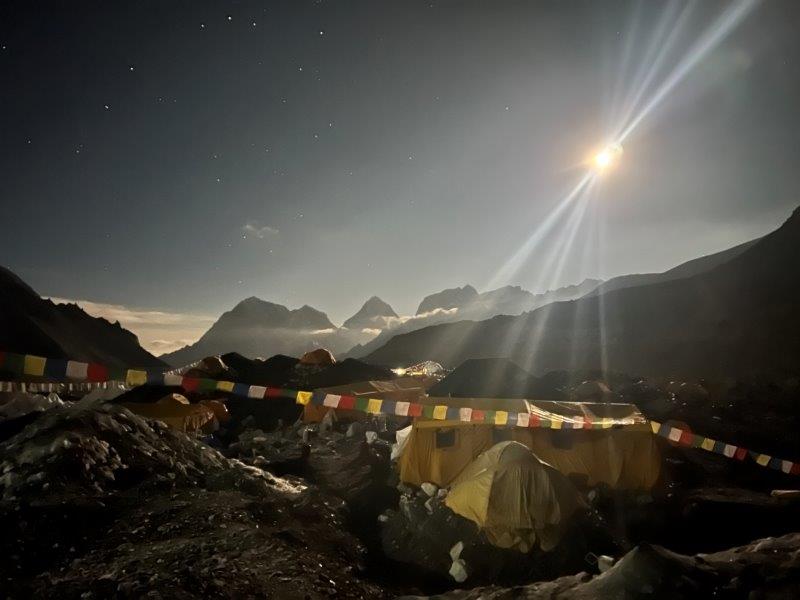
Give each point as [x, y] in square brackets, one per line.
[31, 325]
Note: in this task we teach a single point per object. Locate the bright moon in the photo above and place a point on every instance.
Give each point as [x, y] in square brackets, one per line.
[607, 157]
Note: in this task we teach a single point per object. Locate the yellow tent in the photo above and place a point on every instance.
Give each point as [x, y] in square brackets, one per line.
[622, 455]
[176, 411]
[515, 498]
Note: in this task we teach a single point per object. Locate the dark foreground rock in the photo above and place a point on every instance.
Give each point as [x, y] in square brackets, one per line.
[765, 569]
[97, 502]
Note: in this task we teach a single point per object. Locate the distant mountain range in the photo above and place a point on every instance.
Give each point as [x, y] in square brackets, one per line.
[508, 300]
[726, 313]
[255, 327]
[729, 314]
[465, 303]
[32, 325]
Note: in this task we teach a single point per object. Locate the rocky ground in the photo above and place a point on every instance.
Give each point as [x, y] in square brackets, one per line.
[765, 569]
[97, 502]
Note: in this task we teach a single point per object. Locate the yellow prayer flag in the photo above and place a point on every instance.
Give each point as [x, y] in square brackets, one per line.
[440, 412]
[707, 444]
[225, 386]
[34, 365]
[303, 398]
[374, 406]
[556, 424]
[134, 377]
[500, 417]
[763, 459]
[654, 425]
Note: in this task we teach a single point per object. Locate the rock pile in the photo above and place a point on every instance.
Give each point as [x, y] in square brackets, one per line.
[97, 502]
[767, 568]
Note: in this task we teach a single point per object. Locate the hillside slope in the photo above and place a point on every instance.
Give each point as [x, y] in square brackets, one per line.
[741, 317]
[31, 325]
[687, 269]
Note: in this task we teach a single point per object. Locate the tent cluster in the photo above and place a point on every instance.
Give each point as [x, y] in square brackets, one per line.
[619, 457]
[518, 484]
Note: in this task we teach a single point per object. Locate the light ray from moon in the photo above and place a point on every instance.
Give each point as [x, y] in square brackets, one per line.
[719, 30]
[733, 15]
[507, 271]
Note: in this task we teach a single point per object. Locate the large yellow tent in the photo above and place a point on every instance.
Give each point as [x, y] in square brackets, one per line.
[623, 455]
[516, 499]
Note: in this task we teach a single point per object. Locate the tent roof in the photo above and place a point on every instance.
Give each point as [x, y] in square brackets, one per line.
[377, 389]
[567, 412]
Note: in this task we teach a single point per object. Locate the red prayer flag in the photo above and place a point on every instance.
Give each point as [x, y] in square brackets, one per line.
[534, 421]
[587, 423]
[686, 439]
[741, 453]
[273, 392]
[415, 410]
[795, 470]
[347, 402]
[96, 372]
[478, 415]
[190, 383]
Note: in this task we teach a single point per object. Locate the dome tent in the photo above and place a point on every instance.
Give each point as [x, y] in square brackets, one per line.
[518, 500]
[318, 357]
[176, 412]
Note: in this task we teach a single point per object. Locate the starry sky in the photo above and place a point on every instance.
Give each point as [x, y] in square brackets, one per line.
[174, 157]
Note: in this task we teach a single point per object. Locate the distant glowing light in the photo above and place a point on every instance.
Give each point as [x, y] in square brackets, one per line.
[607, 157]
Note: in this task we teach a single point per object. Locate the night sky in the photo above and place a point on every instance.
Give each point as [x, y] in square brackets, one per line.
[181, 156]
